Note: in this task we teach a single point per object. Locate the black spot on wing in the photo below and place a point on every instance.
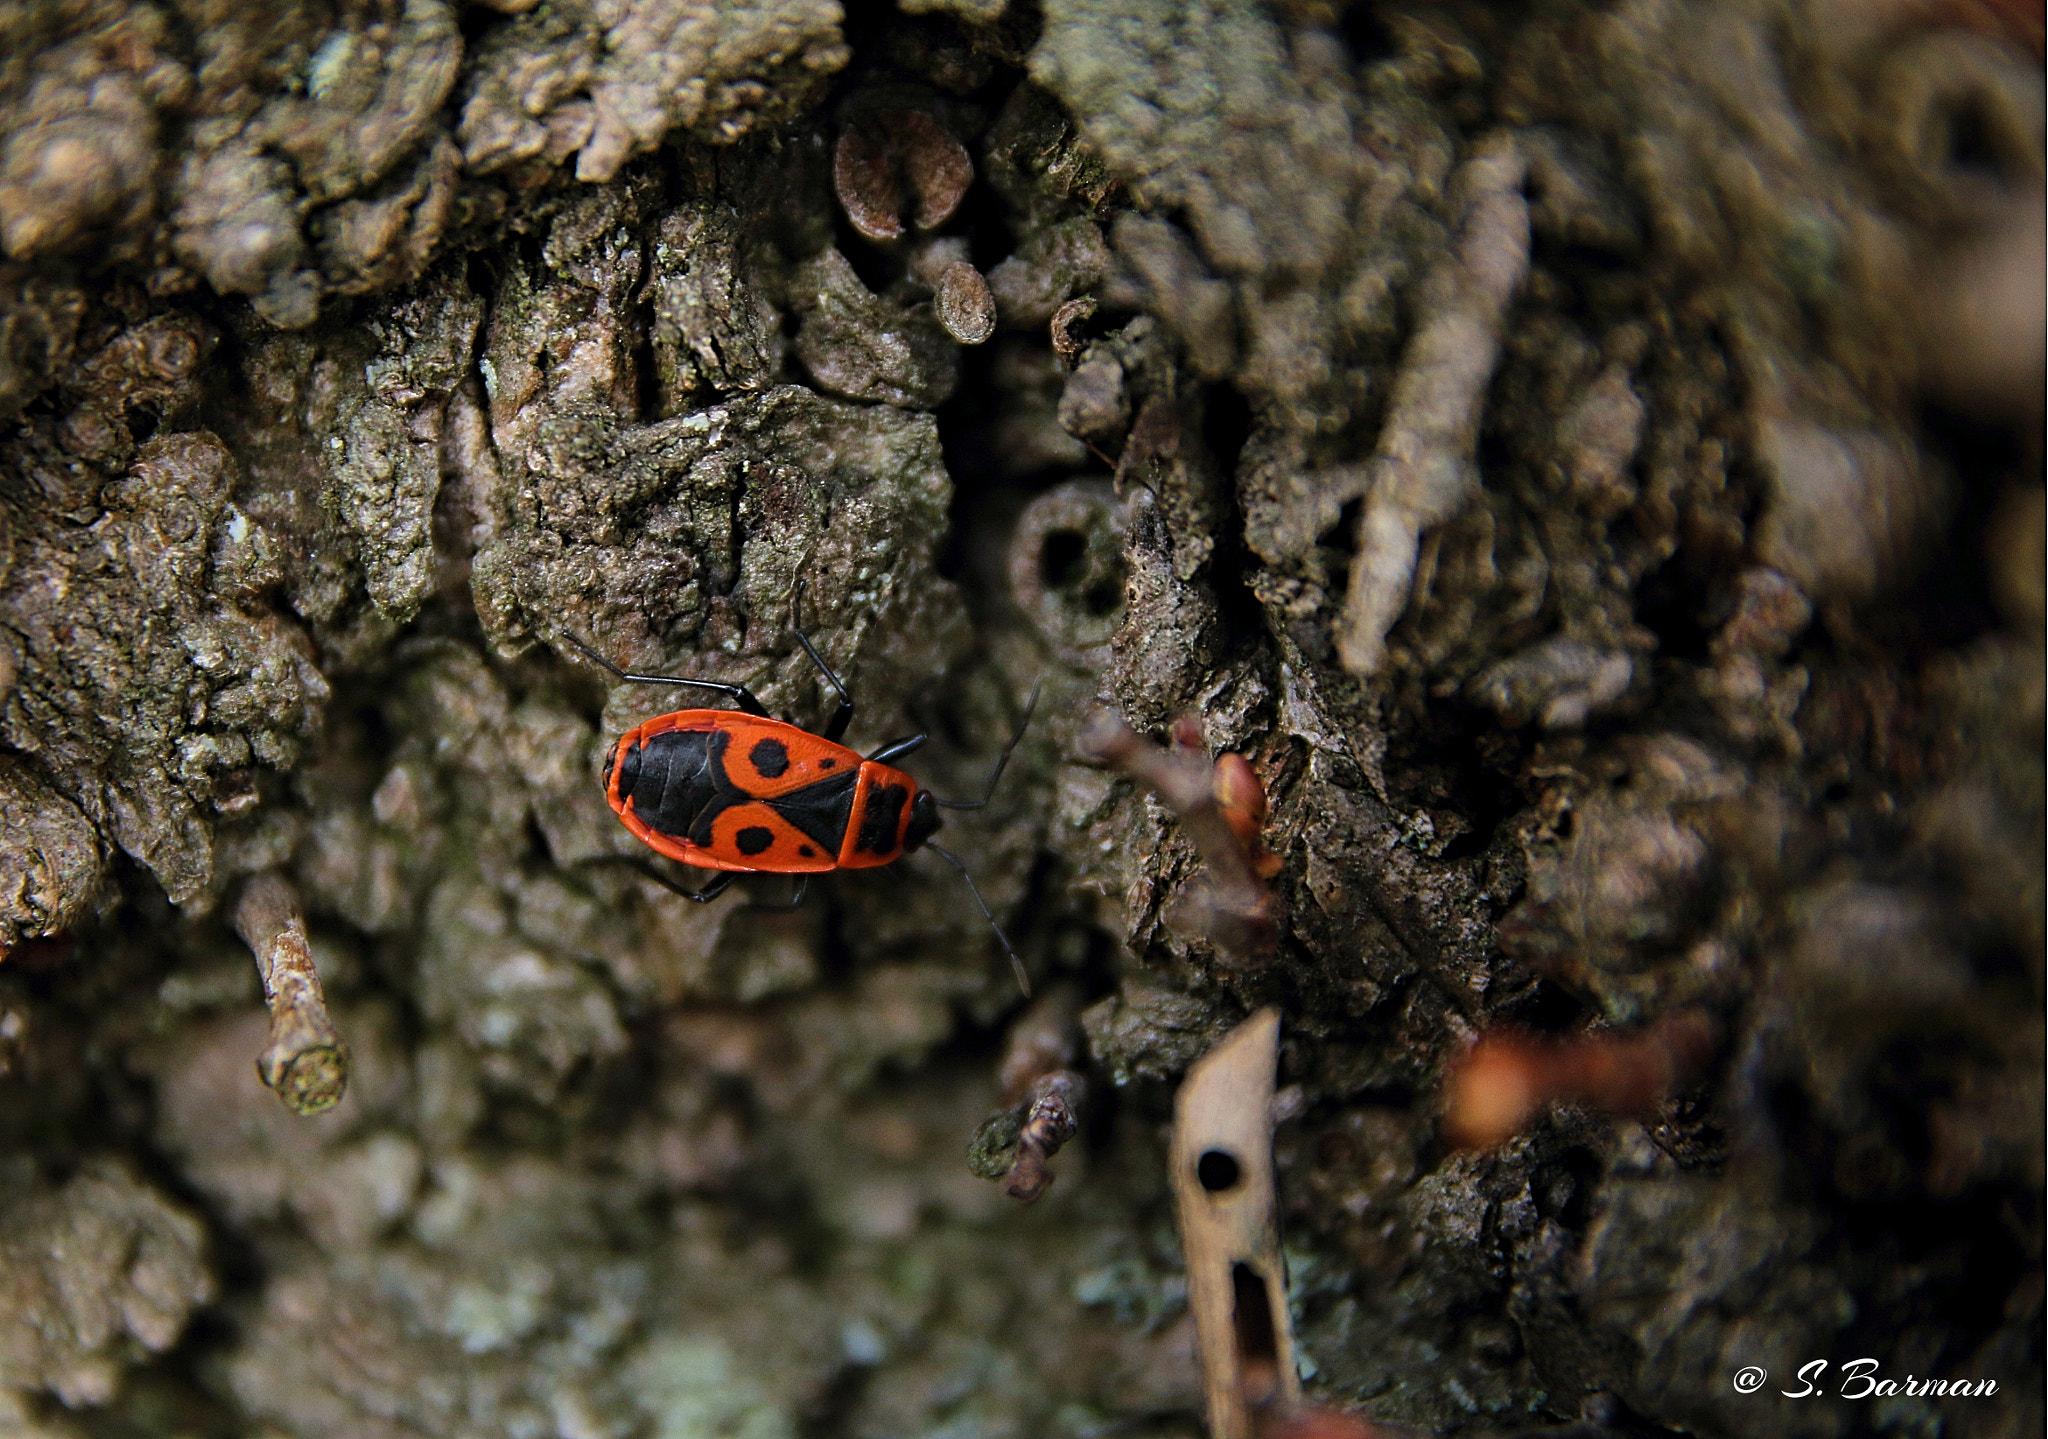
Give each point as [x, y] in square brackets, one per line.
[770, 758]
[827, 763]
[882, 818]
[820, 809]
[754, 839]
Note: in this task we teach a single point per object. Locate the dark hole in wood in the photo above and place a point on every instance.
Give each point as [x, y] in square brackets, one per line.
[1218, 1171]
[1974, 143]
[1062, 563]
[1258, 1349]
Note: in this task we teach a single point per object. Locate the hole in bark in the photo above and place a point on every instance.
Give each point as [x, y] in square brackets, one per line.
[1668, 605]
[1218, 1171]
[1970, 145]
[1091, 584]
[1975, 139]
[1949, 601]
[537, 838]
[1342, 537]
[1104, 598]
[477, 21]
[1063, 560]
[647, 396]
[1367, 35]
[1337, 546]
[1258, 1349]
[1548, 1008]
[876, 268]
[1226, 426]
[1565, 1194]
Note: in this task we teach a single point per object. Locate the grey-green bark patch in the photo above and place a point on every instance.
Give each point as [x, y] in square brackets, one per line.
[99, 1271]
[384, 465]
[153, 686]
[291, 158]
[52, 869]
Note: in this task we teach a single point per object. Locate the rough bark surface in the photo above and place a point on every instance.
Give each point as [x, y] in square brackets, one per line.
[1587, 458]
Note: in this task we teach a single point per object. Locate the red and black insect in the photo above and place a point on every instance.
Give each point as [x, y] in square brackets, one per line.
[739, 792]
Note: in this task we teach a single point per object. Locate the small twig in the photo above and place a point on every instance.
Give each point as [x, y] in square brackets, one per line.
[1423, 472]
[1506, 1079]
[1043, 1097]
[1053, 1119]
[1243, 801]
[306, 1061]
[1222, 1176]
[1045, 1037]
[1231, 906]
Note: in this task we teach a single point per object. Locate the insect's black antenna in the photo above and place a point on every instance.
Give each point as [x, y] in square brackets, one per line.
[1023, 980]
[1002, 762]
[594, 657]
[738, 694]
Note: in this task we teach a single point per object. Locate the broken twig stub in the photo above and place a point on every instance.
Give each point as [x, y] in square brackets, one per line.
[1053, 1118]
[1222, 1158]
[1044, 1097]
[306, 1061]
[1506, 1080]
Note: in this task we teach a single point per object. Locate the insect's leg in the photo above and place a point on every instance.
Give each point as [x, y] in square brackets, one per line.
[796, 896]
[1016, 964]
[1002, 760]
[704, 895]
[738, 694]
[710, 891]
[842, 716]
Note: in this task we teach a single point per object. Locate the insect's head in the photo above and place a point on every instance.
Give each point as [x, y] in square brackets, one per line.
[924, 820]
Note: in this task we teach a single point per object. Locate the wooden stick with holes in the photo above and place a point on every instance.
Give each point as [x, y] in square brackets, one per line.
[1223, 1188]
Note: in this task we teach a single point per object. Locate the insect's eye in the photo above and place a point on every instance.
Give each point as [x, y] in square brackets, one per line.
[924, 820]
